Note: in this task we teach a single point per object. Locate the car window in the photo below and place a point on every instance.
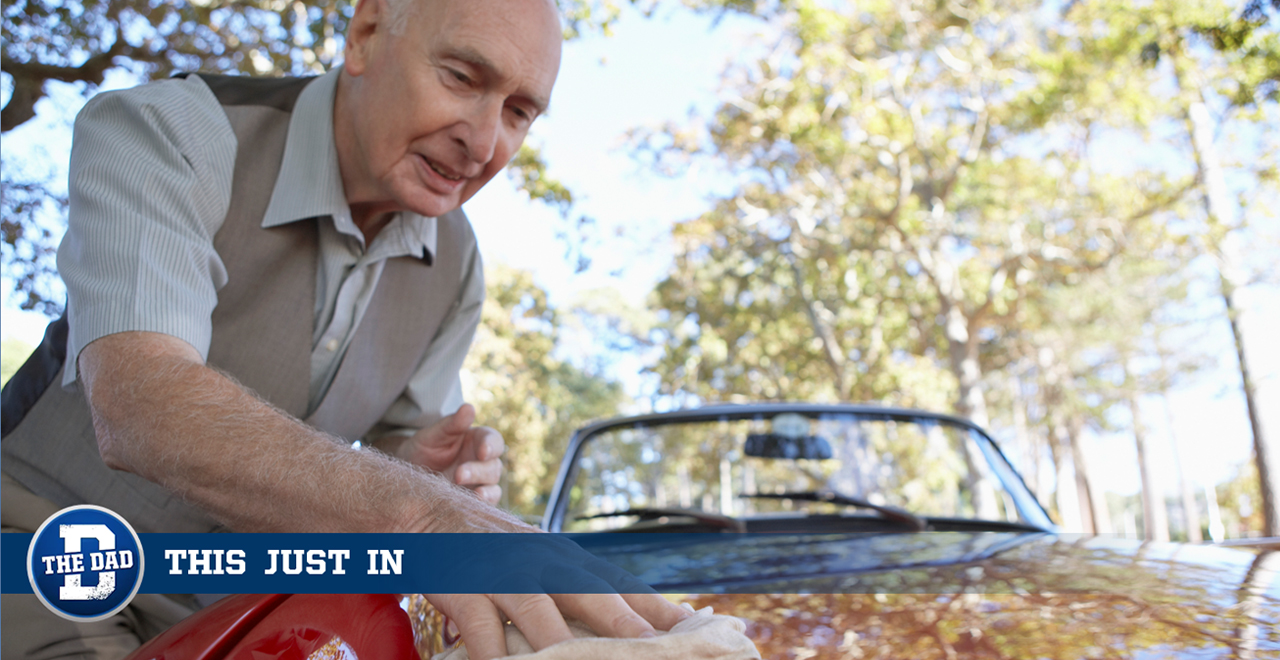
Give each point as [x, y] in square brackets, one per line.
[925, 467]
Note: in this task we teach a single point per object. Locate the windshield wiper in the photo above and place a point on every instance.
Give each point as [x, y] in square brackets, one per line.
[653, 513]
[888, 512]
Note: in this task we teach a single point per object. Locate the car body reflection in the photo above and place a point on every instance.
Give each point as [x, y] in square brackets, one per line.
[993, 578]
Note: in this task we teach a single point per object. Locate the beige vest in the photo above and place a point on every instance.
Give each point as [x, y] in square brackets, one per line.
[262, 329]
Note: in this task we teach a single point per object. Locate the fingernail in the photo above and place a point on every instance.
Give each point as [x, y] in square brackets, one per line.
[647, 634]
[464, 475]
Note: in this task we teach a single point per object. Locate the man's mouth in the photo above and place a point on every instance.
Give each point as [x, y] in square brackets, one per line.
[442, 171]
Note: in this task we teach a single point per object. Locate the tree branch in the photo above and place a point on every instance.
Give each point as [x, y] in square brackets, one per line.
[29, 79]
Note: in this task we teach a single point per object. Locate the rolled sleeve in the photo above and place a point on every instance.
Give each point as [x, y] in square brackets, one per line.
[150, 184]
[436, 388]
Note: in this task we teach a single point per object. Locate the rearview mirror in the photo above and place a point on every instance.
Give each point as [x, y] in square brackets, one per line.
[772, 445]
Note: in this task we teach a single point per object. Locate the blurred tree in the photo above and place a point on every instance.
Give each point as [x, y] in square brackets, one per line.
[1239, 501]
[923, 189]
[914, 180]
[13, 352]
[896, 186]
[530, 395]
[1190, 509]
[1224, 62]
[79, 41]
[1105, 333]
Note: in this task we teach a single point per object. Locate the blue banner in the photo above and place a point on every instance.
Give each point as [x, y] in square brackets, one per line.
[926, 562]
[346, 563]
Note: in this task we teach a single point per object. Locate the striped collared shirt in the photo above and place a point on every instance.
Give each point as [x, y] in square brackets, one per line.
[150, 184]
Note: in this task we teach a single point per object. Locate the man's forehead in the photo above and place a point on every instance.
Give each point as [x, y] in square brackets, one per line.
[532, 20]
[483, 32]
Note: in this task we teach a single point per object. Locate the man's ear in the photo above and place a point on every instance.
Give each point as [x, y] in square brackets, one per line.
[363, 33]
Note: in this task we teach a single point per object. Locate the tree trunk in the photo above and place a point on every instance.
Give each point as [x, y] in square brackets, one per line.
[1094, 502]
[1190, 512]
[1266, 477]
[1222, 219]
[971, 404]
[962, 346]
[1026, 443]
[1155, 523]
[1084, 501]
[1065, 496]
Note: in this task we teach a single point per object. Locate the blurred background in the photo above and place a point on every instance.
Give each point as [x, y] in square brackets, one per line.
[1056, 218]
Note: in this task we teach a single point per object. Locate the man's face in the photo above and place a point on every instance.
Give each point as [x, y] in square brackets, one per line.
[441, 105]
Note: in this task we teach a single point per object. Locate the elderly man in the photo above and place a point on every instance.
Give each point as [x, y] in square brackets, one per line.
[260, 271]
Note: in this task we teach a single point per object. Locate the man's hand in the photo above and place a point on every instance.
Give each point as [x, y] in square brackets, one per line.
[466, 455]
[613, 603]
[541, 617]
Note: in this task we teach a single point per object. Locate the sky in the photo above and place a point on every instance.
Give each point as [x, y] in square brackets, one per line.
[657, 69]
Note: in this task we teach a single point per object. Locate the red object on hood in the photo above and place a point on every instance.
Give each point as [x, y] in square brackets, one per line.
[284, 627]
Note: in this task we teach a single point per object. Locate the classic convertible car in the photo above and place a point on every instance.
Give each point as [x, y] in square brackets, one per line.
[894, 534]
[837, 531]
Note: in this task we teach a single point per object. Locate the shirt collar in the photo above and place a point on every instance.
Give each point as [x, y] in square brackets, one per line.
[310, 183]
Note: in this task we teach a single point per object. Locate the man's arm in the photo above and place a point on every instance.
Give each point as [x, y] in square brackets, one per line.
[160, 413]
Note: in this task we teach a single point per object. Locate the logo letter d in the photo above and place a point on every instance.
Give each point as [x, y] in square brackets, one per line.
[72, 535]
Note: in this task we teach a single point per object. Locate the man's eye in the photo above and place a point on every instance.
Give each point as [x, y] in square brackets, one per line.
[460, 76]
[521, 113]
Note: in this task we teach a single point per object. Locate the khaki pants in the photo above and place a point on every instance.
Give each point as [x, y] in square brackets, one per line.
[32, 632]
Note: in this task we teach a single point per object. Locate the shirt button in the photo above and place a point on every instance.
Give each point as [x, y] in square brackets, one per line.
[331, 345]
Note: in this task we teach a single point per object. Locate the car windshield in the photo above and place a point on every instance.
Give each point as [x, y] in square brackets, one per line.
[785, 465]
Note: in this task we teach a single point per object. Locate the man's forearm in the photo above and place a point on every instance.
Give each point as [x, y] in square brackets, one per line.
[163, 415]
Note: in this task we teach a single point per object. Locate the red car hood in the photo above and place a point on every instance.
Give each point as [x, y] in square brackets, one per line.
[993, 595]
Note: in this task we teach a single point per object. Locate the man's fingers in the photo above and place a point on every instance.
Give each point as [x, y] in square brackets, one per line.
[537, 616]
[479, 622]
[609, 615]
[646, 602]
[461, 420]
[489, 494]
[479, 473]
[655, 609]
[488, 442]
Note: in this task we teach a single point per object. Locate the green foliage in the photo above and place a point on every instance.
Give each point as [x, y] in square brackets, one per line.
[931, 204]
[29, 250]
[13, 352]
[886, 179]
[80, 41]
[520, 387]
[1240, 501]
[529, 172]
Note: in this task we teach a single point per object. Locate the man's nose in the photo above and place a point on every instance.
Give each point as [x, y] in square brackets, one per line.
[484, 129]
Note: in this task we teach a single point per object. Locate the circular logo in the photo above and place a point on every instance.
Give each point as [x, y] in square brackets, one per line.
[85, 563]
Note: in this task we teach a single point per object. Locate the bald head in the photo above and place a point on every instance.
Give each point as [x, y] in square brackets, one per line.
[402, 12]
[437, 96]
